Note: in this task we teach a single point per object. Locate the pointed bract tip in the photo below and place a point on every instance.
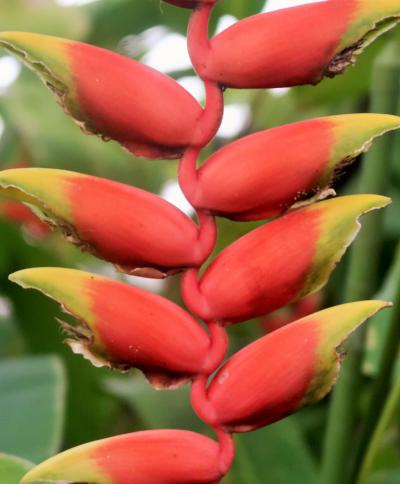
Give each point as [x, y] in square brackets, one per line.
[341, 321]
[334, 326]
[352, 205]
[355, 133]
[43, 188]
[75, 465]
[68, 287]
[369, 20]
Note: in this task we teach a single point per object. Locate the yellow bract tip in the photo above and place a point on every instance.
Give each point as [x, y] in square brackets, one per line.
[74, 465]
[66, 286]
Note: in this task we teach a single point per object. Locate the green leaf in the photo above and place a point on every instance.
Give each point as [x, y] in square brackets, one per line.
[43, 16]
[155, 410]
[385, 477]
[379, 326]
[240, 8]
[13, 468]
[276, 454]
[31, 406]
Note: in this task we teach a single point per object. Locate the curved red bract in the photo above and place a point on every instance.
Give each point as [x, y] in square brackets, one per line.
[131, 227]
[267, 380]
[160, 456]
[262, 175]
[147, 331]
[146, 111]
[262, 271]
[281, 48]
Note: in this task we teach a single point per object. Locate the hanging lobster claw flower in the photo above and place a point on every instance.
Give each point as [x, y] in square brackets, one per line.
[278, 374]
[280, 262]
[137, 231]
[111, 95]
[155, 456]
[298, 45]
[262, 175]
[122, 327]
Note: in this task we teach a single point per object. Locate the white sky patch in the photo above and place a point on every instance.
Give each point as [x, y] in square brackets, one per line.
[279, 91]
[5, 307]
[172, 193]
[224, 22]
[9, 71]
[152, 285]
[169, 55]
[136, 45]
[194, 85]
[1, 126]
[279, 4]
[236, 117]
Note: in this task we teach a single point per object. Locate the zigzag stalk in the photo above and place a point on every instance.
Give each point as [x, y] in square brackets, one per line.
[198, 44]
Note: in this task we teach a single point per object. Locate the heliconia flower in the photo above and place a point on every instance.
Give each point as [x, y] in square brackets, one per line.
[278, 374]
[150, 457]
[298, 45]
[279, 262]
[122, 327]
[137, 231]
[264, 174]
[111, 95]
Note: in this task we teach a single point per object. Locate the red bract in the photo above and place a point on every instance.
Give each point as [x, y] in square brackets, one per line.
[125, 327]
[264, 174]
[135, 230]
[111, 95]
[152, 457]
[279, 262]
[298, 45]
[294, 366]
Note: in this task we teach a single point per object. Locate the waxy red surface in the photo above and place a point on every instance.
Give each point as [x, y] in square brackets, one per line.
[267, 380]
[131, 227]
[147, 331]
[262, 271]
[262, 175]
[160, 456]
[283, 48]
[146, 111]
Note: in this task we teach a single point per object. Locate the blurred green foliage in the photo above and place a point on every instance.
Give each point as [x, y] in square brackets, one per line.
[98, 403]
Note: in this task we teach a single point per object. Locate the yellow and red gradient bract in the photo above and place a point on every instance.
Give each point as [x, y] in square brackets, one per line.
[264, 174]
[121, 326]
[111, 95]
[280, 262]
[136, 230]
[294, 366]
[151, 457]
[298, 45]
